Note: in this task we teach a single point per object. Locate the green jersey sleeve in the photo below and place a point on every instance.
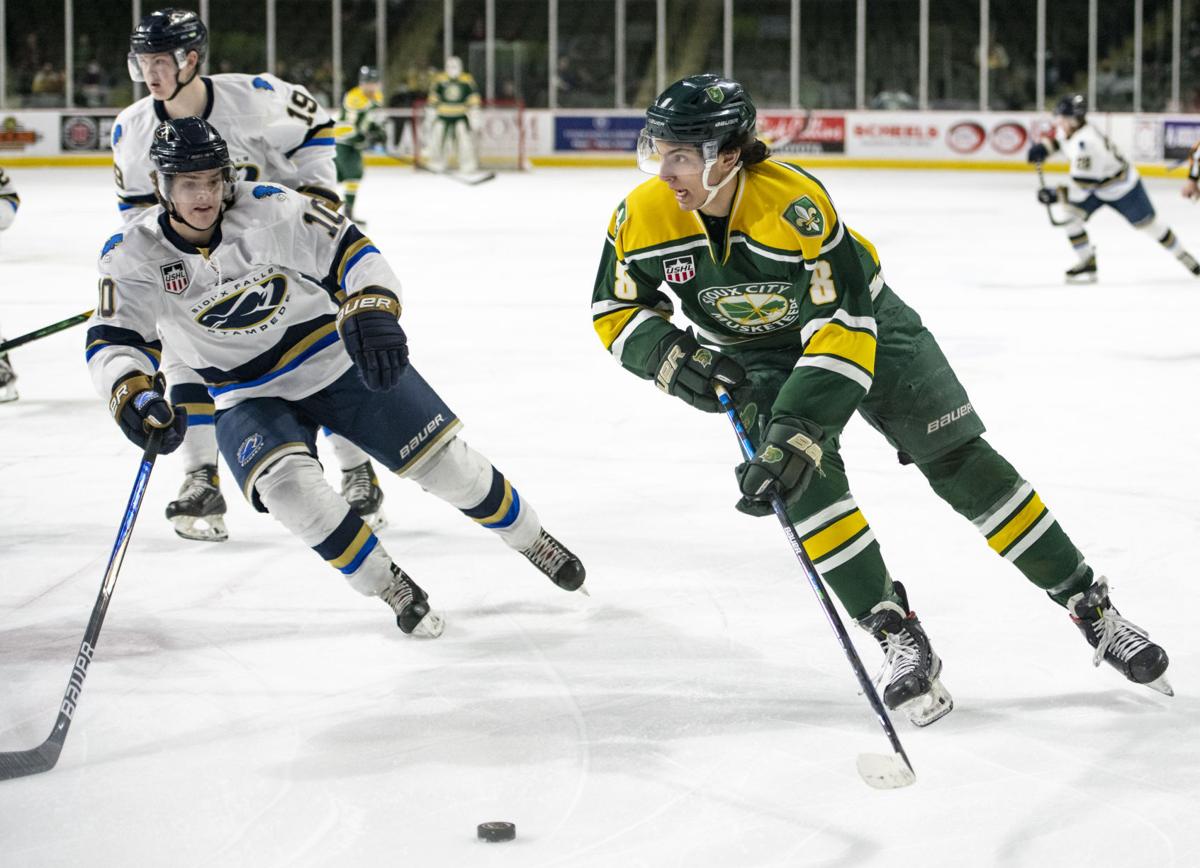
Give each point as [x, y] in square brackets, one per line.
[629, 312]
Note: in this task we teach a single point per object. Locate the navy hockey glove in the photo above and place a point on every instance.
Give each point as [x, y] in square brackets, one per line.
[1048, 195]
[688, 371]
[784, 464]
[138, 406]
[367, 323]
[1037, 153]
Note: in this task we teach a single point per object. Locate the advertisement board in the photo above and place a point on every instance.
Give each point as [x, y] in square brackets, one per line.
[28, 134]
[944, 135]
[803, 132]
[85, 132]
[597, 132]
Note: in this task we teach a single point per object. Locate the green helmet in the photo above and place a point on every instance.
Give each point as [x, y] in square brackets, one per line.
[702, 108]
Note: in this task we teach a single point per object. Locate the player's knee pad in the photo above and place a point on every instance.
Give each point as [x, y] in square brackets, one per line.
[457, 474]
[294, 491]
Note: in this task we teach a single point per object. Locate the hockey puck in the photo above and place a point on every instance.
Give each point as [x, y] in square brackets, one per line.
[497, 831]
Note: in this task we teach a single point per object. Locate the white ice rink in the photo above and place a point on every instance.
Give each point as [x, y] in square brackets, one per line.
[246, 707]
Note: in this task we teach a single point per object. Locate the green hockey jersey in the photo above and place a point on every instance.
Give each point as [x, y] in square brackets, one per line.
[789, 275]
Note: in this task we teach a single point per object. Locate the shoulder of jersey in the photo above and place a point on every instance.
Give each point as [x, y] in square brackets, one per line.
[135, 123]
[779, 194]
[467, 78]
[440, 78]
[650, 216]
[261, 83]
[123, 251]
[265, 202]
[356, 99]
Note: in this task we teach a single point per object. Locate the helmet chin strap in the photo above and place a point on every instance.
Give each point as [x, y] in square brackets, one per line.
[180, 85]
[712, 191]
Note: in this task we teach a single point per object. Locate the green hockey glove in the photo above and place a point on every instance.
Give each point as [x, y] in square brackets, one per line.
[688, 371]
[783, 464]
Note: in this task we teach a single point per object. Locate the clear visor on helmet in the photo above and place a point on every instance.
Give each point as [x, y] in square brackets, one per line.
[192, 189]
[673, 159]
[161, 64]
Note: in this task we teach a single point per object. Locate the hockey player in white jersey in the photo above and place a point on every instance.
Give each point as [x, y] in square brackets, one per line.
[291, 316]
[9, 203]
[275, 131]
[1099, 175]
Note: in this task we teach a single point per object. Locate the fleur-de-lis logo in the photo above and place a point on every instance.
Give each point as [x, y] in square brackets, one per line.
[806, 217]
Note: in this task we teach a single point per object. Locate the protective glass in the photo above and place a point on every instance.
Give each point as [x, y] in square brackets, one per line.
[164, 62]
[668, 158]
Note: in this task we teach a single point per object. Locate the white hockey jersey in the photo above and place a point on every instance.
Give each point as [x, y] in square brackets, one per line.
[9, 200]
[253, 314]
[275, 130]
[1096, 166]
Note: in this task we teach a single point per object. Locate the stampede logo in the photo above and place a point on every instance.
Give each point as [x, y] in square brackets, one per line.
[751, 308]
[253, 306]
[806, 217]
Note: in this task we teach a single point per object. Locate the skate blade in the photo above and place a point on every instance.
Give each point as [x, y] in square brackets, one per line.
[928, 707]
[429, 627]
[201, 529]
[885, 771]
[582, 589]
[8, 393]
[1083, 278]
[1161, 685]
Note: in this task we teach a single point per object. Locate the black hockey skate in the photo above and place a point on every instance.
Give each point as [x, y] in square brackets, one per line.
[199, 511]
[556, 561]
[1084, 272]
[360, 487]
[912, 668]
[8, 380]
[1190, 263]
[411, 605]
[1125, 646]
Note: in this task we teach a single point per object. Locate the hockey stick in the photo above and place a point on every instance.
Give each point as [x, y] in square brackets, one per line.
[1042, 185]
[5, 346]
[16, 764]
[879, 770]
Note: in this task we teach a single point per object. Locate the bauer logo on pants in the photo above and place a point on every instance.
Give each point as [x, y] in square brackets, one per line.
[679, 270]
[175, 277]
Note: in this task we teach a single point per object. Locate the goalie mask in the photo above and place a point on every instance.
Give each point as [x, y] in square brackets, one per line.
[192, 164]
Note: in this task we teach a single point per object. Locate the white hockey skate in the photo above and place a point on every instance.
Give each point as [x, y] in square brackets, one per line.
[199, 511]
[911, 669]
[1084, 272]
[411, 605]
[360, 487]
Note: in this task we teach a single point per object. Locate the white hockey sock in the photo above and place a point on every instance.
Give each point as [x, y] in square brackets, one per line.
[467, 480]
[1080, 243]
[1164, 236]
[348, 454]
[199, 447]
[295, 492]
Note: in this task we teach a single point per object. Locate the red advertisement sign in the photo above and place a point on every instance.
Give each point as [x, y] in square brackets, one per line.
[803, 132]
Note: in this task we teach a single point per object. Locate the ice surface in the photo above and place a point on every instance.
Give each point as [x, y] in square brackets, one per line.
[245, 707]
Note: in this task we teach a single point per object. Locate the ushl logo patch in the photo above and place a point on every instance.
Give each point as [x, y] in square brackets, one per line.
[175, 277]
[680, 270]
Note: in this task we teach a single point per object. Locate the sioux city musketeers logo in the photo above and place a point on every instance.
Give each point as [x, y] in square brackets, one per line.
[751, 308]
[174, 276]
[806, 217]
[679, 270]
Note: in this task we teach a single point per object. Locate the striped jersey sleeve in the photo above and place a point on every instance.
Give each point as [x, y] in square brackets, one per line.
[837, 365]
[630, 314]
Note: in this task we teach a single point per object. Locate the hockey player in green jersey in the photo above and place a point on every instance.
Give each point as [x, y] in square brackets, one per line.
[792, 314]
[453, 112]
[356, 131]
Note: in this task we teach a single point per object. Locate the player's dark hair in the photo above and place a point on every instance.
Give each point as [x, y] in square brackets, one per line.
[752, 150]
